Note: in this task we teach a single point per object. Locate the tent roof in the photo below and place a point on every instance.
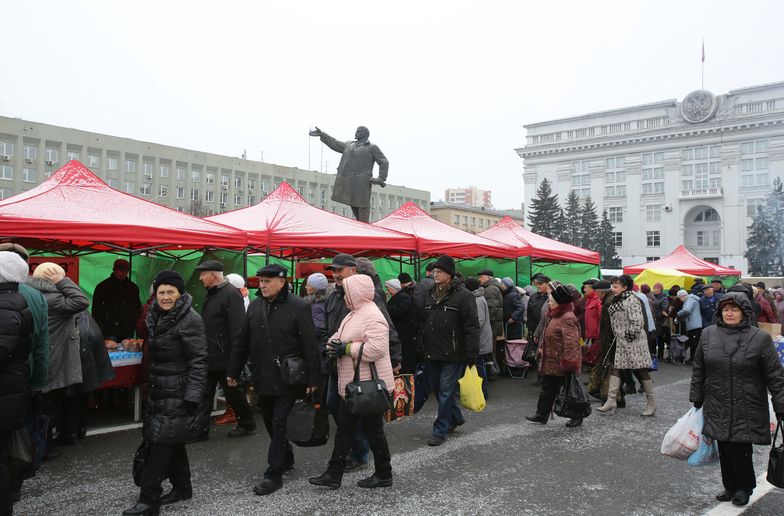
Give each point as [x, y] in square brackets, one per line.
[682, 260]
[667, 277]
[74, 208]
[511, 233]
[434, 237]
[285, 220]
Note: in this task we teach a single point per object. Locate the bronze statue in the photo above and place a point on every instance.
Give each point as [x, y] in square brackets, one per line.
[355, 171]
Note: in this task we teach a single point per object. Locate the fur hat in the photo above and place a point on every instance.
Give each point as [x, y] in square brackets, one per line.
[13, 269]
[560, 294]
[471, 283]
[169, 277]
[681, 293]
[404, 277]
[236, 280]
[318, 281]
[47, 266]
[446, 264]
[394, 284]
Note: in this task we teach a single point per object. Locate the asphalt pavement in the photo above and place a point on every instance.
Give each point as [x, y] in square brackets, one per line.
[497, 463]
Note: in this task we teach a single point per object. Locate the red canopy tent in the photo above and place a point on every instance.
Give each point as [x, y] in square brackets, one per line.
[681, 259]
[509, 232]
[434, 237]
[75, 209]
[285, 221]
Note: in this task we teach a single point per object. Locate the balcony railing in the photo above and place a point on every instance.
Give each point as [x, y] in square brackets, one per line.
[701, 193]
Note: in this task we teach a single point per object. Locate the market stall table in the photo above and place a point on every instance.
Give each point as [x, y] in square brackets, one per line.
[127, 374]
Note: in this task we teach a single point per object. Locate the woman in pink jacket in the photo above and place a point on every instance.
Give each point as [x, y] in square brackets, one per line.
[363, 326]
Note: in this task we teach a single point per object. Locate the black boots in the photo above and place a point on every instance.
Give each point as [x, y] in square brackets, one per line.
[374, 481]
[326, 480]
[176, 495]
[574, 422]
[142, 509]
[537, 418]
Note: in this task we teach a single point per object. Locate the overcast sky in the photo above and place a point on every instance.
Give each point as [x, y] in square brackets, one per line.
[445, 87]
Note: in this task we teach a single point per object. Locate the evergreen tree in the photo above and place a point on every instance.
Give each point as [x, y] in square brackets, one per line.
[605, 244]
[589, 224]
[560, 226]
[543, 211]
[572, 219]
[765, 243]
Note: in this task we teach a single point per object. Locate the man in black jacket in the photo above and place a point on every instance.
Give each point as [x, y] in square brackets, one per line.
[537, 302]
[450, 339]
[116, 303]
[277, 326]
[222, 312]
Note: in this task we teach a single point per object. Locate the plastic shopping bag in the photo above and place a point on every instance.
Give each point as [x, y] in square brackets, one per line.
[471, 396]
[683, 438]
[706, 454]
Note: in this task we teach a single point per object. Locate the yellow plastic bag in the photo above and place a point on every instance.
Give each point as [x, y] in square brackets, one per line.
[471, 396]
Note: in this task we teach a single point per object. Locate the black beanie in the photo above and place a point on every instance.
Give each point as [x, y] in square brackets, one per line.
[446, 264]
[472, 283]
[169, 277]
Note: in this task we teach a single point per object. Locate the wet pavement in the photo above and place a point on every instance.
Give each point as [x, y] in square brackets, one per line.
[495, 464]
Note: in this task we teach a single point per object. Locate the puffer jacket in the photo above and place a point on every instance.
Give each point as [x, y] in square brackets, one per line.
[485, 331]
[691, 313]
[364, 327]
[513, 309]
[16, 328]
[450, 332]
[65, 300]
[560, 349]
[178, 372]
[495, 303]
[734, 368]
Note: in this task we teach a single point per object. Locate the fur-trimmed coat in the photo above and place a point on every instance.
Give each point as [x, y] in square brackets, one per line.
[627, 319]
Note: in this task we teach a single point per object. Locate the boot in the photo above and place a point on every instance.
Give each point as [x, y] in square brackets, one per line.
[612, 393]
[228, 417]
[650, 408]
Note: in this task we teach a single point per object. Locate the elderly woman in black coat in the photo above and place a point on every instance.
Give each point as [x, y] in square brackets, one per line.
[735, 366]
[177, 384]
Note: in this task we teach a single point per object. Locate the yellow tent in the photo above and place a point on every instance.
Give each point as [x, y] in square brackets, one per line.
[667, 277]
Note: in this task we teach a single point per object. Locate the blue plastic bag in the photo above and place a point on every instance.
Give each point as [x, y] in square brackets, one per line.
[421, 386]
[706, 454]
[654, 363]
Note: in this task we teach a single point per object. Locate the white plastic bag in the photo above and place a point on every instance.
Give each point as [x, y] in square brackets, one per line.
[683, 438]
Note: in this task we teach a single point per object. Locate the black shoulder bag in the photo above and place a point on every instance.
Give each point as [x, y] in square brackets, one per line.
[367, 397]
[291, 367]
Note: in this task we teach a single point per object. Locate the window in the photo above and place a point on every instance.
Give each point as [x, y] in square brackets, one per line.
[147, 168]
[697, 164]
[30, 152]
[6, 148]
[180, 173]
[92, 160]
[146, 189]
[194, 194]
[73, 155]
[323, 195]
[180, 193]
[164, 170]
[210, 179]
[225, 181]
[708, 215]
[29, 175]
[581, 178]
[195, 175]
[130, 166]
[6, 172]
[163, 191]
[615, 191]
[5, 193]
[111, 163]
[130, 187]
[617, 237]
[616, 176]
[237, 199]
[651, 258]
[209, 196]
[251, 184]
[224, 197]
[652, 238]
[457, 220]
[251, 200]
[615, 213]
[52, 155]
[112, 182]
[238, 182]
[751, 206]
[653, 212]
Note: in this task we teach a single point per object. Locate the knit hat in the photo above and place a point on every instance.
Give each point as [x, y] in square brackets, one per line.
[446, 264]
[508, 282]
[47, 266]
[366, 266]
[318, 281]
[560, 294]
[169, 277]
[472, 283]
[15, 248]
[13, 269]
[236, 280]
[404, 277]
[394, 284]
[681, 293]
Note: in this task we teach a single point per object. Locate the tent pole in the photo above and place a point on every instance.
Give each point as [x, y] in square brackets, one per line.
[517, 270]
[245, 264]
[266, 256]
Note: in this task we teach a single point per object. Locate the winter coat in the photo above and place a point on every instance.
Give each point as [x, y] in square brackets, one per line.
[96, 364]
[420, 291]
[766, 310]
[318, 310]
[39, 356]
[178, 372]
[515, 310]
[534, 311]
[593, 313]
[734, 368]
[116, 305]
[708, 308]
[352, 184]
[64, 300]
[650, 325]
[780, 306]
[661, 305]
[495, 303]
[451, 329]
[16, 328]
[691, 313]
[560, 350]
[222, 312]
[364, 325]
[405, 319]
[628, 326]
[272, 331]
[485, 331]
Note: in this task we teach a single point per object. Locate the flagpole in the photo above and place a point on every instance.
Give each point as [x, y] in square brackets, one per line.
[702, 74]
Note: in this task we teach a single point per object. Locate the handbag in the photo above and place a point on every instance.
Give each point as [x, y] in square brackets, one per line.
[776, 460]
[572, 400]
[421, 386]
[308, 423]
[367, 397]
[531, 351]
[292, 367]
[403, 397]
[139, 460]
[20, 454]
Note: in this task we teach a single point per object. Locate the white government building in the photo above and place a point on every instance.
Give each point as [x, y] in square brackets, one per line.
[672, 172]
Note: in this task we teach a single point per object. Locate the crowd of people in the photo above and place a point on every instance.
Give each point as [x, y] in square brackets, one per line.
[315, 344]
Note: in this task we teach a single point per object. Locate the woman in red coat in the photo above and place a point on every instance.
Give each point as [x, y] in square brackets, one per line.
[560, 352]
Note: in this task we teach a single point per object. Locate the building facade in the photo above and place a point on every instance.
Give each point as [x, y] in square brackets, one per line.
[471, 196]
[472, 220]
[674, 172]
[191, 181]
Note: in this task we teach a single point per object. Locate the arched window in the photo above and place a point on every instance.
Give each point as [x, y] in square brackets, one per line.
[708, 215]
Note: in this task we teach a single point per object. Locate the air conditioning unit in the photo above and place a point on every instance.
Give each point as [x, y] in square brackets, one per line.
[6, 158]
[224, 186]
[223, 205]
[50, 162]
[148, 176]
[29, 160]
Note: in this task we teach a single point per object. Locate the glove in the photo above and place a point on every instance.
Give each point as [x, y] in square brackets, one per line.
[336, 348]
[698, 405]
[470, 362]
[191, 407]
[630, 335]
[378, 181]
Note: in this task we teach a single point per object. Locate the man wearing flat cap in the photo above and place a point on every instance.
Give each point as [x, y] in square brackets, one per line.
[223, 311]
[278, 337]
[116, 303]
